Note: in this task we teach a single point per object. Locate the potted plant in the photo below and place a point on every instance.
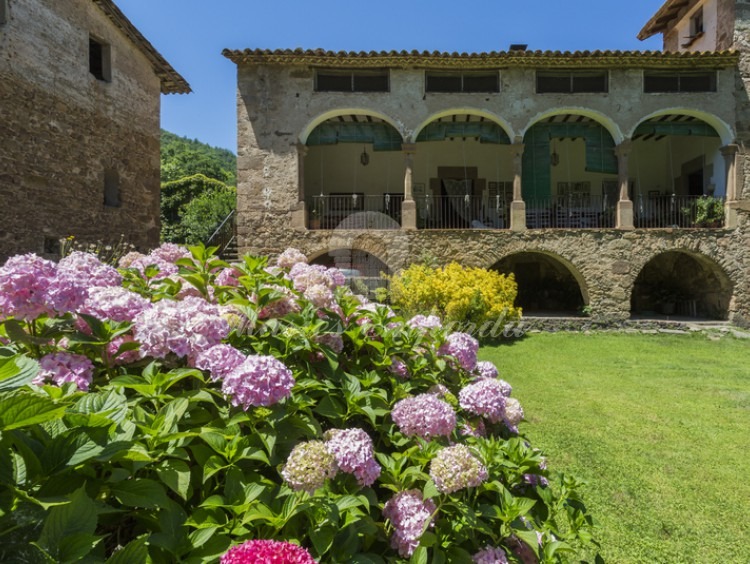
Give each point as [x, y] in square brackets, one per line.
[708, 211]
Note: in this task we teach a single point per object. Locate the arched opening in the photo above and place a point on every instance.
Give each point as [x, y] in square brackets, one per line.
[682, 284]
[569, 177]
[546, 284]
[677, 173]
[463, 172]
[364, 271]
[353, 164]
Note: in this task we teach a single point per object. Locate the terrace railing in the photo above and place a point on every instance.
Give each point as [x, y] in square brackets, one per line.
[673, 211]
[355, 211]
[579, 211]
[461, 212]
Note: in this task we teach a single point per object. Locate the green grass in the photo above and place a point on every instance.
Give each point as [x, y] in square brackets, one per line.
[659, 427]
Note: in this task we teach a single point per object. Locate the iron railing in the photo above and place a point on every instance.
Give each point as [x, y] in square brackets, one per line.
[225, 236]
[572, 211]
[355, 211]
[462, 212]
[673, 211]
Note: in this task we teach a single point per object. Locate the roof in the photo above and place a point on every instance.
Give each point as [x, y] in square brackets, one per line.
[435, 59]
[660, 20]
[171, 81]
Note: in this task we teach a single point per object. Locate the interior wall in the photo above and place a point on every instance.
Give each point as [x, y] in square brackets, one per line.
[337, 168]
[572, 166]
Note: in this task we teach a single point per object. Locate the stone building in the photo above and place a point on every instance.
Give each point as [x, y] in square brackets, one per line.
[79, 125]
[611, 183]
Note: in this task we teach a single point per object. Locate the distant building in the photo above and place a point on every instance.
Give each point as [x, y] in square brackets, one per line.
[598, 178]
[79, 125]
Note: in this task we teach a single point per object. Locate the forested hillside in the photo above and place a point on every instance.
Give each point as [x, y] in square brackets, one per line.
[198, 188]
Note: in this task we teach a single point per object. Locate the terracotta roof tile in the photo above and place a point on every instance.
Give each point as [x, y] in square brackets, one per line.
[436, 59]
[660, 20]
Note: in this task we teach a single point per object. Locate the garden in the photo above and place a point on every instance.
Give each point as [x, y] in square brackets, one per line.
[179, 408]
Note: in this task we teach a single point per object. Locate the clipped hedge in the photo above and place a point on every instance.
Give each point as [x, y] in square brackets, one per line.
[183, 409]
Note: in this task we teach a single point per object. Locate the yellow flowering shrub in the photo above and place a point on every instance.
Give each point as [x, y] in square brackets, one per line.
[456, 293]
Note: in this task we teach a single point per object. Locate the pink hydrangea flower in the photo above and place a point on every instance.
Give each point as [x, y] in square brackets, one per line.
[114, 304]
[63, 367]
[490, 555]
[486, 369]
[425, 322]
[260, 551]
[259, 380]
[455, 468]
[334, 341]
[399, 368]
[513, 414]
[24, 281]
[320, 296]
[463, 347]
[219, 360]
[282, 306]
[65, 293]
[170, 252]
[125, 357]
[354, 453]
[485, 398]
[165, 268]
[184, 328]
[127, 260]
[229, 277]
[309, 465]
[290, 257]
[307, 275]
[88, 270]
[410, 515]
[424, 416]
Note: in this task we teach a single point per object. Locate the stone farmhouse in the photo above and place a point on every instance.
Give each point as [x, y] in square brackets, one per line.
[79, 125]
[611, 183]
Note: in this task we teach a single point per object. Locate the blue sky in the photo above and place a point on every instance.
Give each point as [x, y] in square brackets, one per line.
[192, 33]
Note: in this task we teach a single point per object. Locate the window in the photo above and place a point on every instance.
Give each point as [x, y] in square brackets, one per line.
[111, 189]
[3, 11]
[99, 59]
[689, 81]
[571, 82]
[358, 80]
[466, 81]
[696, 23]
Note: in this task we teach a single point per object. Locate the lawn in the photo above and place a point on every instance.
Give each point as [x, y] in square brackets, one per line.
[659, 427]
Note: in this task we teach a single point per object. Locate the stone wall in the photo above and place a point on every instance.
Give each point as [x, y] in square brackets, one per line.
[63, 129]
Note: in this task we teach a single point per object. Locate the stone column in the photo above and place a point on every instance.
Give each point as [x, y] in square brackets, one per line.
[517, 206]
[729, 152]
[409, 206]
[625, 204]
[299, 210]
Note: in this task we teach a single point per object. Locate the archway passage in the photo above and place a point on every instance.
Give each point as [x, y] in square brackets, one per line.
[678, 283]
[364, 271]
[546, 285]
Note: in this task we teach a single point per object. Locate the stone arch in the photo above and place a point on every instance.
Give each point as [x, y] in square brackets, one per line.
[363, 269]
[317, 120]
[722, 128]
[682, 282]
[462, 111]
[547, 282]
[605, 121]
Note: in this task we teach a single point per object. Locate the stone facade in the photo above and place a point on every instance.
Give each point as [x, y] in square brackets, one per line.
[66, 134]
[282, 164]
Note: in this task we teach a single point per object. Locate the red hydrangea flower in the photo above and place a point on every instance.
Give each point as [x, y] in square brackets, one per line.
[267, 552]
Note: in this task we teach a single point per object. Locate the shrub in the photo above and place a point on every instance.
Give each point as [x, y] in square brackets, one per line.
[457, 294]
[195, 406]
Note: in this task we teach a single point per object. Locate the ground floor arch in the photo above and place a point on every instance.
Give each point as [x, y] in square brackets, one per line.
[682, 283]
[547, 284]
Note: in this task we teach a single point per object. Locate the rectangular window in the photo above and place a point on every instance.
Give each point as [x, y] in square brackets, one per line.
[571, 82]
[689, 81]
[352, 80]
[466, 81]
[696, 23]
[3, 11]
[99, 60]
[111, 189]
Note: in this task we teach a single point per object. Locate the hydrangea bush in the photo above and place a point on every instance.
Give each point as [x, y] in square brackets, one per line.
[184, 409]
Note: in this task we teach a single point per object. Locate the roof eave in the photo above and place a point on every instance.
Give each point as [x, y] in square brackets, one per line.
[171, 81]
[658, 22]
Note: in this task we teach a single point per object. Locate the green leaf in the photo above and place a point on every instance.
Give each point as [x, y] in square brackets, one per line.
[176, 475]
[112, 404]
[140, 492]
[419, 556]
[21, 409]
[135, 552]
[17, 371]
[73, 548]
[322, 539]
[528, 537]
[75, 520]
